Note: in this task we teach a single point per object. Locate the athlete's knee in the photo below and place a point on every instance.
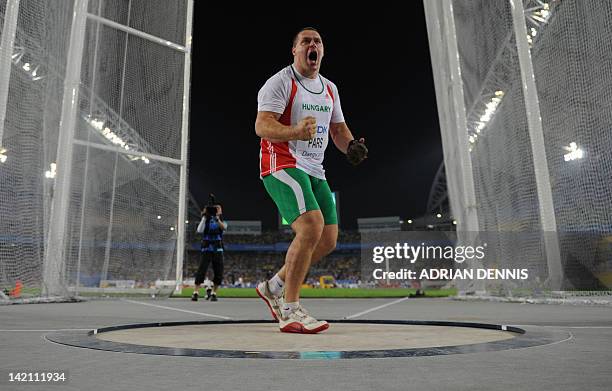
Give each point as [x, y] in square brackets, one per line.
[329, 239]
[309, 227]
[328, 244]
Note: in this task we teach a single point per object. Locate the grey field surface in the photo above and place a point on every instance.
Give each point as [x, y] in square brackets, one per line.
[581, 362]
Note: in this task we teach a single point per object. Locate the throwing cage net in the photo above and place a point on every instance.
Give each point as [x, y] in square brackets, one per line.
[525, 115]
[93, 145]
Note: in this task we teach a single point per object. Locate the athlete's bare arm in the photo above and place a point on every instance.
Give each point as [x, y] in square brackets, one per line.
[341, 135]
[268, 127]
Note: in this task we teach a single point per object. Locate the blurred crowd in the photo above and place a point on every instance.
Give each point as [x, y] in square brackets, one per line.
[246, 269]
[272, 237]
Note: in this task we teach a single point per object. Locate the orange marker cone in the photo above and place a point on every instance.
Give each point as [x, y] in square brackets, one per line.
[17, 291]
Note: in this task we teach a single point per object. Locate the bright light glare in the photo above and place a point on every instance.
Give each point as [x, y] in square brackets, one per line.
[52, 171]
[490, 108]
[98, 124]
[574, 152]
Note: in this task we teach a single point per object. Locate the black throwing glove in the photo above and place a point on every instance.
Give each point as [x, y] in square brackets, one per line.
[356, 152]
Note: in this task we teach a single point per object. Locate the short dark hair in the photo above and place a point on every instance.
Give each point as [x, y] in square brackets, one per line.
[304, 29]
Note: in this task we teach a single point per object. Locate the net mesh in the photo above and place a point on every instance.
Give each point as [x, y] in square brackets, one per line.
[122, 218]
[571, 56]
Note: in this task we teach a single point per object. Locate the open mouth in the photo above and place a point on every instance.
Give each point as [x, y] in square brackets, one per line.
[312, 56]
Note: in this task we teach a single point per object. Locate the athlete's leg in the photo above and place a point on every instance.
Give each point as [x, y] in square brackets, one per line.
[327, 202]
[291, 190]
[308, 229]
[327, 241]
[327, 244]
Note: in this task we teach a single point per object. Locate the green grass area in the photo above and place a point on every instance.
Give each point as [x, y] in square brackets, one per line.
[330, 293]
[26, 292]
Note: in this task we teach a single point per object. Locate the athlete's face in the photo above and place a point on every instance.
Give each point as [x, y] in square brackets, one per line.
[308, 53]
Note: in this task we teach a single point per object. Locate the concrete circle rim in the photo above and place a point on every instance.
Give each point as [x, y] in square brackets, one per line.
[523, 339]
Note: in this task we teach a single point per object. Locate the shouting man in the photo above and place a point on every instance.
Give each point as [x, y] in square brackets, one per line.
[298, 109]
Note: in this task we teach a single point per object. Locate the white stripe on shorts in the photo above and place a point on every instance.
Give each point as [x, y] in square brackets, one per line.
[294, 185]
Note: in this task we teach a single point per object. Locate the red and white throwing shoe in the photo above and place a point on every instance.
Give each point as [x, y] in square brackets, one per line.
[274, 303]
[299, 321]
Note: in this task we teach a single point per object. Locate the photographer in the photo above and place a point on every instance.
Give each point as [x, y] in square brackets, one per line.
[211, 227]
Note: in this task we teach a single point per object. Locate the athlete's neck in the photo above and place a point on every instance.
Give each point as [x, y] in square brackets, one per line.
[305, 73]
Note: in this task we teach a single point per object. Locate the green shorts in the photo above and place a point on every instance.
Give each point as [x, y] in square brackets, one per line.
[295, 192]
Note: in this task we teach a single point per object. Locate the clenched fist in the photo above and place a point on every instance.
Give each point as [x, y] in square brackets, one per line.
[305, 129]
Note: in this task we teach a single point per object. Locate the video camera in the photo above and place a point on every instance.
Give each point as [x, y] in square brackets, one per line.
[211, 208]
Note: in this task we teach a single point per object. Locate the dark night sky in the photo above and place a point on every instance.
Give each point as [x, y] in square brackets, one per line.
[381, 64]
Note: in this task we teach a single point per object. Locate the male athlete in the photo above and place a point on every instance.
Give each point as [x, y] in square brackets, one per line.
[297, 110]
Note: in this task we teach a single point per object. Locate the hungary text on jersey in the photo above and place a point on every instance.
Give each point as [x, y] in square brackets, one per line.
[296, 97]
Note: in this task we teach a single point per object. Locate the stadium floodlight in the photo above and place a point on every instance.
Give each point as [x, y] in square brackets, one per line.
[529, 40]
[96, 123]
[491, 106]
[3, 155]
[134, 158]
[574, 152]
[52, 171]
[29, 68]
[541, 14]
[18, 53]
[489, 109]
[439, 216]
[111, 135]
[107, 132]
[113, 138]
[538, 16]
